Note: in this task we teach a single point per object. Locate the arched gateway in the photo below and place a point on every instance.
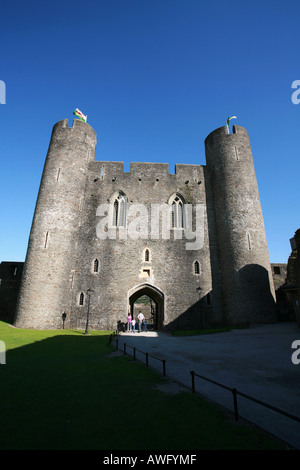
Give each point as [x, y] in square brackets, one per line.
[156, 295]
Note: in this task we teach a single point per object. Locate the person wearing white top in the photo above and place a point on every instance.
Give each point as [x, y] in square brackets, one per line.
[140, 319]
[133, 324]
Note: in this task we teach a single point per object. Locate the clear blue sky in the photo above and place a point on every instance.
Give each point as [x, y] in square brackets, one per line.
[155, 77]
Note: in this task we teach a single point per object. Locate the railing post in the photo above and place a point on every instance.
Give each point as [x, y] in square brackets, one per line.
[193, 381]
[236, 412]
[164, 367]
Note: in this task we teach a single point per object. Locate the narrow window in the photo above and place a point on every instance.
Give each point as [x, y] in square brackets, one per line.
[236, 153]
[15, 271]
[81, 298]
[147, 255]
[174, 221]
[115, 213]
[195, 175]
[119, 211]
[180, 214]
[177, 212]
[276, 269]
[46, 239]
[196, 267]
[96, 266]
[58, 174]
[249, 242]
[72, 281]
[102, 172]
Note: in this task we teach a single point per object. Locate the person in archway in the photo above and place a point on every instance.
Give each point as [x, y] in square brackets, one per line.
[140, 320]
[129, 320]
[144, 325]
[133, 324]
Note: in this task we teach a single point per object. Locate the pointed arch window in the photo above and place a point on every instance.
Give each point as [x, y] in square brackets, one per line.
[96, 266]
[147, 255]
[196, 267]
[119, 210]
[177, 212]
[81, 298]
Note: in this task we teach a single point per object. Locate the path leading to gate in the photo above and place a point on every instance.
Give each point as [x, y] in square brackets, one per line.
[256, 361]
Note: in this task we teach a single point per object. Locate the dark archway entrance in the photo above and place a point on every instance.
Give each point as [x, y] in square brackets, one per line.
[150, 300]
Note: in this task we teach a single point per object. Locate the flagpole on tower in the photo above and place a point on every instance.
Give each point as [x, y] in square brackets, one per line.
[227, 123]
[80, 115]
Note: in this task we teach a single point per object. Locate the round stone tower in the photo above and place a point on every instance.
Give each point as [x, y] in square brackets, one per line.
[245, 277]
[51, 253]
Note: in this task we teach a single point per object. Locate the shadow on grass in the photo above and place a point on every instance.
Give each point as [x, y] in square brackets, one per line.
[68, 391]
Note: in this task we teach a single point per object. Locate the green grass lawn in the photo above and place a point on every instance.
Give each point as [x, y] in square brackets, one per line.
[64, 390]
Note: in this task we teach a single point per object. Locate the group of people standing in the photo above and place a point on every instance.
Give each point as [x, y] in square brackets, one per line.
[130, 325]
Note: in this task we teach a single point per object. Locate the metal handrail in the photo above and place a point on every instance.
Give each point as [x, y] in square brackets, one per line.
[147, 355]
[236, 392]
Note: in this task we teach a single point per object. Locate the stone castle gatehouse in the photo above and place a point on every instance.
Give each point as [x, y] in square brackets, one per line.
[193, 241]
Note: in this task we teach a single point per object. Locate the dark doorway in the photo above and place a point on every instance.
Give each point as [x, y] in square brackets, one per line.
[150, 301]
[148, 307]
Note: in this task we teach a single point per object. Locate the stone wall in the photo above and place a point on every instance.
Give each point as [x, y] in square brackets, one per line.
[215, 272]
[244, 266]
[10, 278]
[170, 268]
[279, 271]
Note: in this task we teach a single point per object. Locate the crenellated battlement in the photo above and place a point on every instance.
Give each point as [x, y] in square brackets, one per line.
[222, 133]
[146, 170]
[78, 131]
[64, 123]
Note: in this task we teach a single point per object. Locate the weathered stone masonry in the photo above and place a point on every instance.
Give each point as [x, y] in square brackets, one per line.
[225, 280]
